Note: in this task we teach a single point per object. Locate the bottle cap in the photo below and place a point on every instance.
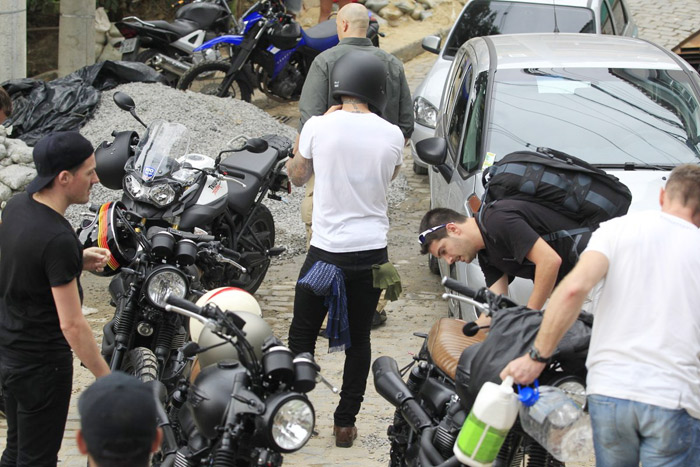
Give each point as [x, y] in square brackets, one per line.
[529, 395]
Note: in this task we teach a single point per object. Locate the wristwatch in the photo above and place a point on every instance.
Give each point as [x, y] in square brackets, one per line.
[535, 355]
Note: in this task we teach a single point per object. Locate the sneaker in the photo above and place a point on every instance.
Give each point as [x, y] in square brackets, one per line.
[378, 319]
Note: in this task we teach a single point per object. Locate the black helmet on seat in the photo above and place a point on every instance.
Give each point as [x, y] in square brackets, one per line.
[362, 75]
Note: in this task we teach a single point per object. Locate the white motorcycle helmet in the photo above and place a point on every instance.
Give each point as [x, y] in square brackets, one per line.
[244, 305]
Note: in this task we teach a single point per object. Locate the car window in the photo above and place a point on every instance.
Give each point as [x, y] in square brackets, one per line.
[619, 15]
[606, 21]
[475, 123]
[486, 17]
[610, 117]
[459, 97]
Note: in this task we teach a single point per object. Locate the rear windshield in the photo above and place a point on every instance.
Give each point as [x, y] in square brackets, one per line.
[486, 18]
[608, 117]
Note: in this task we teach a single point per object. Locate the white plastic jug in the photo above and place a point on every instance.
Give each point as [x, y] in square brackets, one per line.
[488, 423]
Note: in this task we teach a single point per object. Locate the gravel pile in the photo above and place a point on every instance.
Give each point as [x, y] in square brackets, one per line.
[212, 122]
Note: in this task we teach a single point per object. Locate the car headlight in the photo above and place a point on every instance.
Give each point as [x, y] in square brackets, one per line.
[163, 282]
[425, 113]
[133, 187]
[289, 421]
[162, 194]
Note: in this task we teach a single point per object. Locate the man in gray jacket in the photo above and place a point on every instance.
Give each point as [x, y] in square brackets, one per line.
[352, 23]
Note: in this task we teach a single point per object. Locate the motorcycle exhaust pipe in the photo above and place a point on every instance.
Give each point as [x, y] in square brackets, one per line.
[389, 385]
[170, 64]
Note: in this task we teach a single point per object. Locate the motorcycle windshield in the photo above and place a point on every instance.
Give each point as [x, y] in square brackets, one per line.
[158, 152]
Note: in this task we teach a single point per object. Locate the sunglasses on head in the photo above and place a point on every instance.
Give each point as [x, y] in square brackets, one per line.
[421, 237]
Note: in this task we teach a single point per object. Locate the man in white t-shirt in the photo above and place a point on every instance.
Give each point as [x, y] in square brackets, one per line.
[643, 363]
[354, 154]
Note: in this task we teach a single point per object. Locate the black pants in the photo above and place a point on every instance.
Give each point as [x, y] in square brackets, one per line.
[309, 312]
[37, 396]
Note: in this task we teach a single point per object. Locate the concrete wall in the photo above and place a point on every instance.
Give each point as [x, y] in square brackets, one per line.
[13, 39]
[76, 36]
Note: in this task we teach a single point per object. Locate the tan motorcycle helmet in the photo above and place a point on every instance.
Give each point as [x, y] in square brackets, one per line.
[244, 305]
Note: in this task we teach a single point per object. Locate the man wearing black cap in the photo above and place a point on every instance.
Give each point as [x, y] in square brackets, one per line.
[118, 426]
[41, 318]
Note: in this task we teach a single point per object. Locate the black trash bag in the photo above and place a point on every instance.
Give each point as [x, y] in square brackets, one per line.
[66, 103]
[512, 332]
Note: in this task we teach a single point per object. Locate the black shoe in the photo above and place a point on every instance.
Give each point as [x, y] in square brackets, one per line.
[378, 319]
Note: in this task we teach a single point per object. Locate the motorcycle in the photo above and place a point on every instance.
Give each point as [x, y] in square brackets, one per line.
[169, 187]
[455, 360]
[147, 265]
[272, 53]
[246, 410]
[168, 47]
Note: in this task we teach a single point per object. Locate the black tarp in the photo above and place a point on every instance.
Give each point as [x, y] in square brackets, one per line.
[40, 107]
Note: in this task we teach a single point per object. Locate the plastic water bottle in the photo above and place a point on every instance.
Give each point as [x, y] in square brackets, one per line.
[494, 412]
[557, 423]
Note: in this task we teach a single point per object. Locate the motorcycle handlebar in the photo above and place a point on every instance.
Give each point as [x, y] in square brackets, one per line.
[458, 287]
[184, 304]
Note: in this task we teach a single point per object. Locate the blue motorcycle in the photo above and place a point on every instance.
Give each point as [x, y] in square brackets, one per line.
[271, 52]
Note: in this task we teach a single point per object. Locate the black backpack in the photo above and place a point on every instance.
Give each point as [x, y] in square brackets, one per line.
[561, 182]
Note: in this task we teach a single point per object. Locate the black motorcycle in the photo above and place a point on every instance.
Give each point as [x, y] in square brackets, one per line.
[170, 187]
[455, 360]
[245, 411]
[148, 265]
[271, 52]
[168, 47]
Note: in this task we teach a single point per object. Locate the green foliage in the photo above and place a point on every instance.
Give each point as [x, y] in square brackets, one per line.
[110, 6]
[43, 7]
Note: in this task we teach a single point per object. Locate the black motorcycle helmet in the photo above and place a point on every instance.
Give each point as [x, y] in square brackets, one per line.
[362, 75]
[111, 158]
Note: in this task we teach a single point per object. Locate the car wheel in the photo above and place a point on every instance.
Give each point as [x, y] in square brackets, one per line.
[433, 265]
[419, 170]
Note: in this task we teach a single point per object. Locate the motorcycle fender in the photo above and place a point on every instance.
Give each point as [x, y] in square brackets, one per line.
[435, 396]
[228, 39]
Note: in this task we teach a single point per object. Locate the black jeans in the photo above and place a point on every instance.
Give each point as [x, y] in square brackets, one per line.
[37, 396]
[309, 312]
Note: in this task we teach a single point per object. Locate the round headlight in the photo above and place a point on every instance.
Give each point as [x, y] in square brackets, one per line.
[133, 187]
[162, 194]
[290, 421]
[425, 113]
[163, 282]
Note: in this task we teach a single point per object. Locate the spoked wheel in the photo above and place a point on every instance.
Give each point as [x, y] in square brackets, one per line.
[142, 363]
[206, 78]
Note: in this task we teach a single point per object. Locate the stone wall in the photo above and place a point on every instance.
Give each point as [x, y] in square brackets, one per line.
[393, 10]
[16, 166]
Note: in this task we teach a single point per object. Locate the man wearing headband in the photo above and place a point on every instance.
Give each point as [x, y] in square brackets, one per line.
[41, 318]
[118, 425]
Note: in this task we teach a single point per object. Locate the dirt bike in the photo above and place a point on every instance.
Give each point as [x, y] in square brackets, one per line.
[456, 358]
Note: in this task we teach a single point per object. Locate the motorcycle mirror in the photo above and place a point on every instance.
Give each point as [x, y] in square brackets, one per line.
[124, 101]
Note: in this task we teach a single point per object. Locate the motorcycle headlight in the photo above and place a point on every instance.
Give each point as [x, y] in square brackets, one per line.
[162, 194]
[163, 282]
[425, 113]
[289, 421]
[133, 187]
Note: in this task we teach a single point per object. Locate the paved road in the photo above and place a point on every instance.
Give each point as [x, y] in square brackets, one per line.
[665, 22]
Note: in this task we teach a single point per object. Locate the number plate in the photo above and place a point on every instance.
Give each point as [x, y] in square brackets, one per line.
[128, 45]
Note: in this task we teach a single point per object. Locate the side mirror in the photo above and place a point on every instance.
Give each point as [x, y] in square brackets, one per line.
[431, 44]
[433, 151]
[124, 101]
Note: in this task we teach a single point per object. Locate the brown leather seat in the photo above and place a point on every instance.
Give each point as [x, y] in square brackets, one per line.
[446, 341]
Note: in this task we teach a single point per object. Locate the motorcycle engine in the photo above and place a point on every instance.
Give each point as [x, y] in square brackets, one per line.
[288, 83]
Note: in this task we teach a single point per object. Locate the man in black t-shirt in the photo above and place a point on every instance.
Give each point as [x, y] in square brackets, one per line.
[508, 239]
[41, 318]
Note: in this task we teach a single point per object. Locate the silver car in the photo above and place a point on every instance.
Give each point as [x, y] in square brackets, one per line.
[490, 17]
[625, 105]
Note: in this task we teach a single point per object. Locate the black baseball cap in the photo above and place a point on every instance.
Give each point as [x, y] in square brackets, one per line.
[118, 417]
[56, 152]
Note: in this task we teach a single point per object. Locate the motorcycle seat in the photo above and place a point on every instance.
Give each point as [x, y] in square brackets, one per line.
[446, 341]
[322, 36]
[181, 27]
[256, 164]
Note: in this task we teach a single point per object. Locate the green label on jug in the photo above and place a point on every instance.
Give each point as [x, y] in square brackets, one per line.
[480, 441]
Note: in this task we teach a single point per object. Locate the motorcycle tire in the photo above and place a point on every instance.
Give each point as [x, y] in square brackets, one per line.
[142, 363]
[262, 225]
[146, 56]
[206, 77]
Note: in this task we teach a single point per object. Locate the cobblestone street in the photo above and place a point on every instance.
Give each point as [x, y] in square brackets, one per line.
[666, 22]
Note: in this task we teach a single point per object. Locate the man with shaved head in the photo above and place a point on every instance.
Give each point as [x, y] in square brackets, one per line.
[316, 98]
